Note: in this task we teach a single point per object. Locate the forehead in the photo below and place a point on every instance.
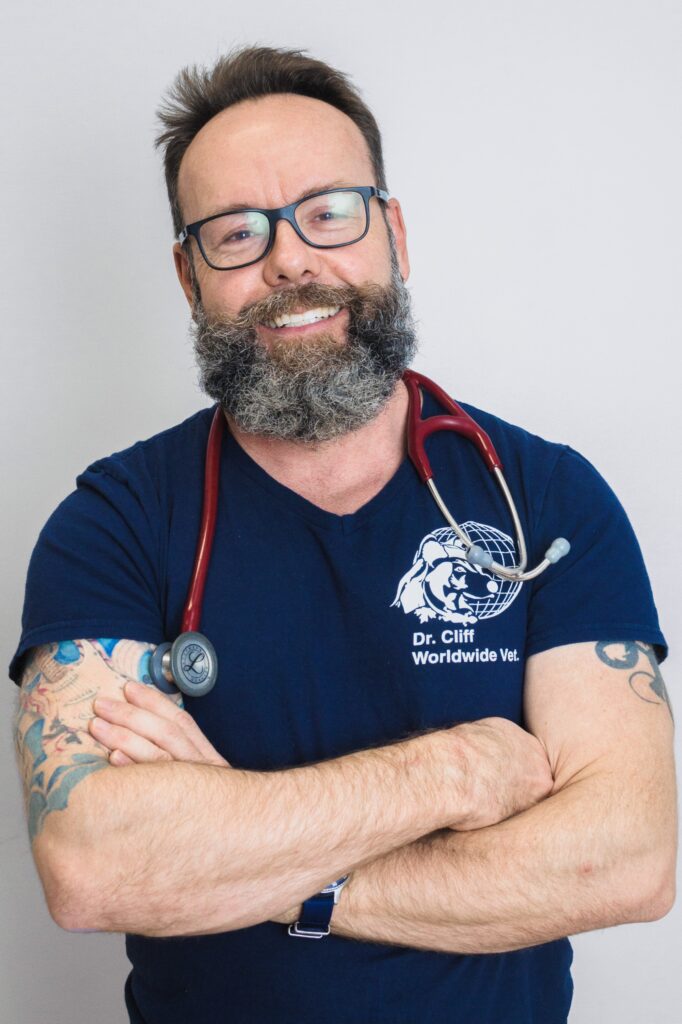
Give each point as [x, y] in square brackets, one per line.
[267, 152]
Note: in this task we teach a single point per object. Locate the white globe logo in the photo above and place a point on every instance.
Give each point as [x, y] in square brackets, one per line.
[501, 547]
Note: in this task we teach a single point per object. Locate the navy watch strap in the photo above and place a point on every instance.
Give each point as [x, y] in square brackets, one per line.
[316, 914]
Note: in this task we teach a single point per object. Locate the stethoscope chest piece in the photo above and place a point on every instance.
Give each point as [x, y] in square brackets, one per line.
[189, 664]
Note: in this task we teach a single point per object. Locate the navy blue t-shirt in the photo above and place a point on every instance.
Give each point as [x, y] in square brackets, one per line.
[335, 633]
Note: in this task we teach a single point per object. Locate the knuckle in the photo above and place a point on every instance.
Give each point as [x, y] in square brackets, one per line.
[117, 736]
[122, 711]
[174, 734]
[182, 718]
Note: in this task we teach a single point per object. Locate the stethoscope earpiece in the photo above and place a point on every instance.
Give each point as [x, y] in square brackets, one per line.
[557, 549]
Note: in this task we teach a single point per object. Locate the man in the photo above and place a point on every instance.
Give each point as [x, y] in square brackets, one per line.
[487, 764]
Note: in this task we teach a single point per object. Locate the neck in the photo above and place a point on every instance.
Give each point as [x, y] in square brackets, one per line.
[342, 474]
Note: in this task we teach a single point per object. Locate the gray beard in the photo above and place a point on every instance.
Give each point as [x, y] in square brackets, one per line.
[303, 390]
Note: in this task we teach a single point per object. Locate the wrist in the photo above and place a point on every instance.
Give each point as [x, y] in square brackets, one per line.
[343, 909]
[316, 913]
[289, 916]
[446, 759]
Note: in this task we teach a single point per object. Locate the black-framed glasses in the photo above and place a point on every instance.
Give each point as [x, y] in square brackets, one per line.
[325, 220]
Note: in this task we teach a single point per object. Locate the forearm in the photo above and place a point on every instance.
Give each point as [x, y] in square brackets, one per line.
[572, 863]
[180, 848]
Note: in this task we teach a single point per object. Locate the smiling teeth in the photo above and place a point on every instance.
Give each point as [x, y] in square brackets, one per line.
[309, 317]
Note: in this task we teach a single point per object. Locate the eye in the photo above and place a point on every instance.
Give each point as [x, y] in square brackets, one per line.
[238, 236]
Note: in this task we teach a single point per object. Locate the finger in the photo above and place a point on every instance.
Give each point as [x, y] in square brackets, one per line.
[154, 700]
[151, 697]
[117, 738]
[117, 757]
[149, 726]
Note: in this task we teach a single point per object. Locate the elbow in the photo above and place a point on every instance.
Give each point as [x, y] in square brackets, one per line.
[71, 908]
[69, 917]
[652, 906]
[67, 908]
[63, 874]
[64, 909]
[665, 899]
[666, 891]
[77, 906]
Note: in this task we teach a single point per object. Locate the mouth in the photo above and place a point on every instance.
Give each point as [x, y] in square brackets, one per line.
[304, 323]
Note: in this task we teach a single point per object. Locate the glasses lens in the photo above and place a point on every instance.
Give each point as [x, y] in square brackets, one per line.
[334, 218]
[235, 238]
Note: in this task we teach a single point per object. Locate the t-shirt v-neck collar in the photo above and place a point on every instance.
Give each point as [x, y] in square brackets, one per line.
[306, 509]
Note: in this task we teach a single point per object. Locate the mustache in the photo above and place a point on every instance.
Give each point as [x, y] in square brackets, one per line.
[311, 392]
[359, 299]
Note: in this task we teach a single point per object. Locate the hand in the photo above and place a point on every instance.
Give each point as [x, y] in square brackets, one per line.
[149, 726]
[507, 771]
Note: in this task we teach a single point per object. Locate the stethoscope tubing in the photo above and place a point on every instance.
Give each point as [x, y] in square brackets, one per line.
[461, 423]
[192, 613]
[190, 662]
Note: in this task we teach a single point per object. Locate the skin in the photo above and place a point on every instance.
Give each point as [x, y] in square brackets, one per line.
[56, 744]
[259, 151]
[646, 682]
[136, 737]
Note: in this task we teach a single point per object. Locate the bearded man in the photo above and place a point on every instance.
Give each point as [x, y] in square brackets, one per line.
[436, 772]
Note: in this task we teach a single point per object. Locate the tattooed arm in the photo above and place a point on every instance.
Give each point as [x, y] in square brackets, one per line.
[639, 666]
[599, 851]
[54, 748]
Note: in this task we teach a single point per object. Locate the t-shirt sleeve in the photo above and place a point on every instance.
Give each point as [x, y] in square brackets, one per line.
[97, 566]
[600, 590]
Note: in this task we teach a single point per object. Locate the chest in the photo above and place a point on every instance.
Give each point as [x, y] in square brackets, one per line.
[334, 640]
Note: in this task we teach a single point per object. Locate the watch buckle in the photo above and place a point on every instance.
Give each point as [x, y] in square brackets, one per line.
[307, 933]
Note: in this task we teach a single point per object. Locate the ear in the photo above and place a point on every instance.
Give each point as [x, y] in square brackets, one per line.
[182, 269]
[395, 219]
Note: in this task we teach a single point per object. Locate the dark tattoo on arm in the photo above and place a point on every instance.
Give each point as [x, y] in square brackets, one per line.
[646, 680]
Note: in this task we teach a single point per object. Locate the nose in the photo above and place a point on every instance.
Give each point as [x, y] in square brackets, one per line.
[290, 259]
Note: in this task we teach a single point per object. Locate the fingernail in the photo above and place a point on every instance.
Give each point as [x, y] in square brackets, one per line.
[132, 684]
[99, 723]
[105, 705]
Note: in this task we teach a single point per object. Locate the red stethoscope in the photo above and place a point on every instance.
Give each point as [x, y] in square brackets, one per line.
[190, 663]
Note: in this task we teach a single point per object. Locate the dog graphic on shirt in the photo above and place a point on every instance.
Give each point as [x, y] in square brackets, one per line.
[441, 583]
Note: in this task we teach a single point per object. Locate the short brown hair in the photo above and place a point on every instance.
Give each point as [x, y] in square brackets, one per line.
[198, 94]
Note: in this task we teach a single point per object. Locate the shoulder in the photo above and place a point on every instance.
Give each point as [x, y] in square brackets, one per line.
[147, 476]
[154, 456]
[520, 449]
[134, 485]
[515, 441]
[552, 483]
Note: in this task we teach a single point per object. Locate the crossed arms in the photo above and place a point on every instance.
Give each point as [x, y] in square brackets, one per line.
[116, 847]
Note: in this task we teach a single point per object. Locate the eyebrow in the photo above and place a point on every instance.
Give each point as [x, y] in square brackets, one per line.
[238, 205]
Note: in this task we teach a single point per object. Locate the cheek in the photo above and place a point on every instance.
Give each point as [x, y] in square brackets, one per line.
[221, 295]
[368, 260]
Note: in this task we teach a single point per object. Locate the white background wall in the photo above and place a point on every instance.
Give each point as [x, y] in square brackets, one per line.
[547, 132]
